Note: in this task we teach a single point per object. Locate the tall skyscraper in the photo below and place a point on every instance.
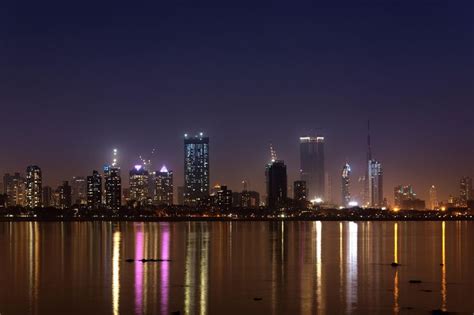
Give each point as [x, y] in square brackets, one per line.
[249, 199]
[367, 201]
[196, 169]
[139, 186]
[403, 193]
[34, 187]
[64, 195]
[465, 186]
[375, 184]
[164, 187]
[15, 189]
[223, 198]
[79, 190]
[113, 187]
[346, 185]
[276, 180]
[94, 191]
[312, 165]
[433, 198]
[300, 192]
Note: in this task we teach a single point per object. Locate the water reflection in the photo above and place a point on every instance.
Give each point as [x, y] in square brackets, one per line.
[396, 293]
[165, 266]
[116, 272]
[139, 248]
[351, 293]
[444, 290]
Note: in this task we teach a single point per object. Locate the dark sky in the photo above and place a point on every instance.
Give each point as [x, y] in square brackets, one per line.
[80, 78]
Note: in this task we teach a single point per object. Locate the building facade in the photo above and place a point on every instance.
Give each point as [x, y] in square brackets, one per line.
[346, 185]
[375, 178]
[34, 187]
[312, 165]
[15, 189]
[139, 186]
[163, 187]
[433, 198]
[276, 182]
[196, 169]
[94, 191]
[300, 192]
[112, 187]
[79, 190]
[465, 189]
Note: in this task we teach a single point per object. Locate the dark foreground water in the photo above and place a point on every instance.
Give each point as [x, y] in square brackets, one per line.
[221, 267]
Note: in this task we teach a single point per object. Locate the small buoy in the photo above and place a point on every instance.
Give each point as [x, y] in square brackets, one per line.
[129, 260]
[394, 264]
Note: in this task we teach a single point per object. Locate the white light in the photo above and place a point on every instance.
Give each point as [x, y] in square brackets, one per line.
[317, 200]
[138, 167]
[353, 203]
[201, 134]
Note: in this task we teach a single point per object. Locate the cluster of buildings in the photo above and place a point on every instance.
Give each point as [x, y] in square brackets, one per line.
[148, 187]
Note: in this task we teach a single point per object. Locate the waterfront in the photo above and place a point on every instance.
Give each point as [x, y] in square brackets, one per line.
[265, 267]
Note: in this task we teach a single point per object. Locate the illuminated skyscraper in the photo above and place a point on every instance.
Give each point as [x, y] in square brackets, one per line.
[249, 199]
[15, 189]
[113, 187]
[79, 190]
[403, 193]
[433, 198]
[139, 186]
[94, 191]
[312, 165]
[276, 180]
[196, 169]
[346, 182]
[375, 178]
[465, 186]
[34, 188]
[300, 192]
[223, 198]
[164, 187]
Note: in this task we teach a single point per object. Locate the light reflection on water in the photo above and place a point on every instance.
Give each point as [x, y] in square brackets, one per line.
[220, 267]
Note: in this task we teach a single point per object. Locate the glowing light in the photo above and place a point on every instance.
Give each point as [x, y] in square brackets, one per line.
[164, 169]
[138, 167]
[353, 203]
[116, 273]
[396, 209]
[443, 208]
[384, 208]
[317, 200]
[201, 134]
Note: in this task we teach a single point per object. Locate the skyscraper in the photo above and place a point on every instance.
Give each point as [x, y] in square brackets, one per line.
[375, 178]
[403, 193]
[64, 195]
[34, 188]
[164, 187]
[79, 190]
[196, 169]
[346, 182]
[300, 192]
[465, 186]
[223, 198]
[139, 186]
[94, 191]
[433, 198]
[312, 165]
[113, 187]
[276, 180]
[15, 189]
[47, 196]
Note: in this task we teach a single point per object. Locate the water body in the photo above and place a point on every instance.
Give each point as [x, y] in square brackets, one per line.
[236, 267]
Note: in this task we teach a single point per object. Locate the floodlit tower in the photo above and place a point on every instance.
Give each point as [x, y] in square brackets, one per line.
[346, 195]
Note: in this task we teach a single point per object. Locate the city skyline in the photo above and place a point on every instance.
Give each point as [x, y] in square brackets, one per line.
[68, 105]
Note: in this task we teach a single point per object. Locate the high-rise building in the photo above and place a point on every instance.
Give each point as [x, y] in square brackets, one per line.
[94, 191]
[403, 193]
[249, 199]
[366, 179]
[15, 189]
[276, 180]
[163, 187]
[196, 169]
[223, 198]
[312, 165]
[79, 190]
[47, 196]
[34, 187]
[64, 195]
[346, 185]
[139, 186]
[375, 178]
[433, 198]
[300, 192]
[112, 187]
[465, 186]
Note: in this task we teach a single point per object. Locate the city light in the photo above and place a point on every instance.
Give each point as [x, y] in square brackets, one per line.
[353, 203]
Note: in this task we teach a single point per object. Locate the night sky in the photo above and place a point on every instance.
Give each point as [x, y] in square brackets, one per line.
[80, 78]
